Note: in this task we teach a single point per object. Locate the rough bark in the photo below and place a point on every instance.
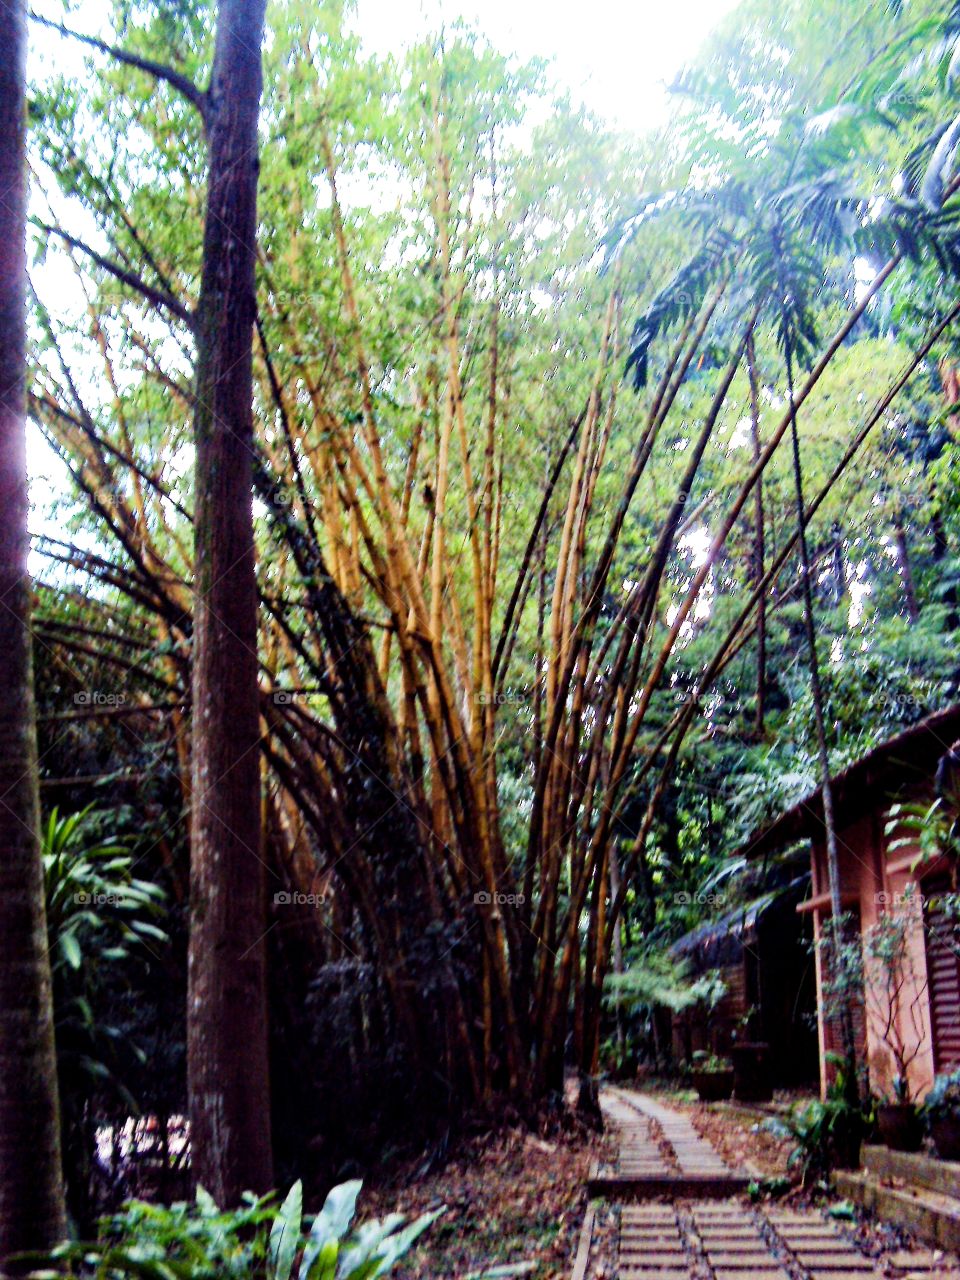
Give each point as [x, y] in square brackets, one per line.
[32, 1212]
[227, 1015]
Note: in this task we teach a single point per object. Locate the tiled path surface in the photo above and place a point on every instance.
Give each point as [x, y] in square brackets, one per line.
[677, 1238]
[639, 1153]
[660, 1153]
[694, 1155]
[733, 1244]
[819, 1246]
[651, 1245]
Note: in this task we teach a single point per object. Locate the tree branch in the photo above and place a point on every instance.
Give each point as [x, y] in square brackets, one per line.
[159, 297]
[183, 84]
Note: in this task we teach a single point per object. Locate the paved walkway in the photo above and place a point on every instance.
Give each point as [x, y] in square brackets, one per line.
[672, 1228]
[695, 1156]
[660, 1153]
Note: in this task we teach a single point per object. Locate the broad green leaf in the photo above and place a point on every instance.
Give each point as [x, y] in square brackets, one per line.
[285, 1233]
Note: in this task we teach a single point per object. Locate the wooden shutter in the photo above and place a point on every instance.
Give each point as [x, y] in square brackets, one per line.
[943, 976]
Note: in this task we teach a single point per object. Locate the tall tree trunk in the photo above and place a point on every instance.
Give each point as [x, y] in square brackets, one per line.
[906, 570]
[32, 1214]
[618, 965]
[816, 691]
[227, 1013]
[839, 566]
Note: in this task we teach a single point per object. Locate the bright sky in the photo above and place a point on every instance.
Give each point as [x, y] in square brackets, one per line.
[613, 55]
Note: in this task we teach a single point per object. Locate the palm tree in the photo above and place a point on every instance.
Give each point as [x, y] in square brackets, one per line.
[774, 230]
[32, 1213]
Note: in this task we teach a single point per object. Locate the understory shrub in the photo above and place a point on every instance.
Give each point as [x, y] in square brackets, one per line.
[827, 1134]
[259, 1241]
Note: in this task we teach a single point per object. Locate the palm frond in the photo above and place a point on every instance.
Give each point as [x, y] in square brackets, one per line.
[942, 165]
[677, 301]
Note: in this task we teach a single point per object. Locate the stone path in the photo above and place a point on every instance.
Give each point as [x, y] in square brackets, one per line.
[819, 1247]
[660, 1153]
[695, 1156]
[651, 1244]
[672, 1229]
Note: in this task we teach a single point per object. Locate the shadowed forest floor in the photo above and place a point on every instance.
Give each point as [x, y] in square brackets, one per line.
[511, 1198]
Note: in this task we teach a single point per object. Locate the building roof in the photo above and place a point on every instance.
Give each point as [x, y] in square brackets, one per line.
[877, 779]
[720, 942]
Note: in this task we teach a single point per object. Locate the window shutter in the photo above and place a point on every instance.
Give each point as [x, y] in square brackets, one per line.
[943, 975]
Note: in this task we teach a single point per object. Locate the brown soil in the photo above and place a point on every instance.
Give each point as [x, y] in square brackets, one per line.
[742, 1140]
[511, 1197]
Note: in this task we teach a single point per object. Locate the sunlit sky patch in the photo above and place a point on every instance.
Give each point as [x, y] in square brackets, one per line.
[613, 57]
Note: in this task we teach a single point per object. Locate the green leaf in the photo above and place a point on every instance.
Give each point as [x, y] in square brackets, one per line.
[333, 1220]
[206, 1203]
[319, 1261]
[71, 950]
[285, 1233]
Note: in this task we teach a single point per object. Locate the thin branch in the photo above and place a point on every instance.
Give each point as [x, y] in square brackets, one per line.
[183, 84]
[159, 297]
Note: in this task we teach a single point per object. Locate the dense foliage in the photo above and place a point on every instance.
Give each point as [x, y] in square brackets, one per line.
[532, 587]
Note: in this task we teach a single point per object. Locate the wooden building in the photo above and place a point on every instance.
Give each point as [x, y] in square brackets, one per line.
[762, 953]
[883, 871]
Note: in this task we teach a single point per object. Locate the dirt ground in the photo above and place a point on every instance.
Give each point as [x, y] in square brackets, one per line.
[511, 1198]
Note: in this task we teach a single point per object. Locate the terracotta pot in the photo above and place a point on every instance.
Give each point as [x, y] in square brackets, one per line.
[945, 1131]
[751, 1072]
[899, 1126]
[713, 1086]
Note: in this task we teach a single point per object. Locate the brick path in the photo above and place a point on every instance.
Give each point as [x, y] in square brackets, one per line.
[674, 1237]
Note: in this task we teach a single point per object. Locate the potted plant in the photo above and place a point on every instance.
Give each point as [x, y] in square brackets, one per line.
[941, 1113]
[712, 1077]
[898, 1122]
[827, 1135]
[895, 995]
